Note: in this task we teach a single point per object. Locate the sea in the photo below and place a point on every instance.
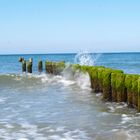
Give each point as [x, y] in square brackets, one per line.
[40, 106]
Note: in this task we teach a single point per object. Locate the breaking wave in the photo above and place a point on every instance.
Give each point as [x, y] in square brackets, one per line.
[86, 58]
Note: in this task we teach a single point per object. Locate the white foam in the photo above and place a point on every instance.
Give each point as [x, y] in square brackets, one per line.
[82, 80]
[23, 139]
[126, 118]
[55, 137]
[2, 99]
[111, 109]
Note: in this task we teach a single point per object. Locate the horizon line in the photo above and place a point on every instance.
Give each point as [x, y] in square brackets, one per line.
[69, 53]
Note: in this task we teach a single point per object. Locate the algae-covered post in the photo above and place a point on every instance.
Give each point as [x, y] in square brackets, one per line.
[40, 66]
[54, 67]
[100, 78]
[138, 94]
[135, 90]
[107, 85]
[29, 65]
[120, 87]
[48, 67]
[113, 85]
[21, 59]
[94, 79]
[31, 60]
[128, 85]
[24, 66]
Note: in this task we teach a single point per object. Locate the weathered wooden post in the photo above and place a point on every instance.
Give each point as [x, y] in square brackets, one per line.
[31, 60]
[128, 85]
[135, 90]
[120, 87]
[100, 78]
[139, 94]
[107, 93]
[40, 66]
[29, 65]
[113, 85]
[48, 67]
[94, 79]
[24, 66]
[20, 59]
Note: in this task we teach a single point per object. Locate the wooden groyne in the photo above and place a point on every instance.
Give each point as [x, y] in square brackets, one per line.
[115, 85]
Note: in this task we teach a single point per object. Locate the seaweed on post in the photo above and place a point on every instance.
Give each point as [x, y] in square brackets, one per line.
[107, 85]
[24, 66]
[40, 66]
[29, 67]
[139, 94]
[100, 78]
[94, 79]
[120, 87]
[48, 67]
[135, 90]
[128, 85]
[114, 83]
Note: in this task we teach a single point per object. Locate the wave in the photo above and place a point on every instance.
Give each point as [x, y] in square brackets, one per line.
[67, 78]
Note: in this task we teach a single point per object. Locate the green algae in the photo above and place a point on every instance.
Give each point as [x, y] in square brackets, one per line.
[128, 85]
[54, 67]
[24, 66]
[100, 78]
[139, 94]
[29, 67]
[40, 66]
[120, 87]
[106, 74]
[135, 90]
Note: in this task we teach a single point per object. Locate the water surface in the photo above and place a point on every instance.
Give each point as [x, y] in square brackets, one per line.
[46, 107]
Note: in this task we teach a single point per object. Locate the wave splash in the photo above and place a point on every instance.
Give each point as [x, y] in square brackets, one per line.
[86, 58]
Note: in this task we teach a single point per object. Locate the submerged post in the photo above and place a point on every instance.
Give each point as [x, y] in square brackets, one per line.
[40, 66]
[29, 65]
[24, 66]
[21, 59]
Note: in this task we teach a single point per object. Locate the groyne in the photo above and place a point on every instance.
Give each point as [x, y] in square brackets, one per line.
[115, 85]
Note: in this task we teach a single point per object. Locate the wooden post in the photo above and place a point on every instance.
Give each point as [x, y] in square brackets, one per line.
[94, 79]
[31, 60]
[40, 66]
[21, 59]
[29, 65]
[138, 94]
[24, 66]
[135, 90]
[128, 85]
[107, 92]
[120, 87]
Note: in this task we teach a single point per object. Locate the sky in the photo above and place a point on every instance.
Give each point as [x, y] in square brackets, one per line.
[69, 26]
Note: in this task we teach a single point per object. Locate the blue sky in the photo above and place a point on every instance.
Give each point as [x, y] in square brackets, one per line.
[62, 26]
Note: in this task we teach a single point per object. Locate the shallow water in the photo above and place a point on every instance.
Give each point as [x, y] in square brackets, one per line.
[46, 107]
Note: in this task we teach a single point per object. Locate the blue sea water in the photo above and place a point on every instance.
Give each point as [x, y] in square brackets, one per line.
[63, 107]
[129, 62]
